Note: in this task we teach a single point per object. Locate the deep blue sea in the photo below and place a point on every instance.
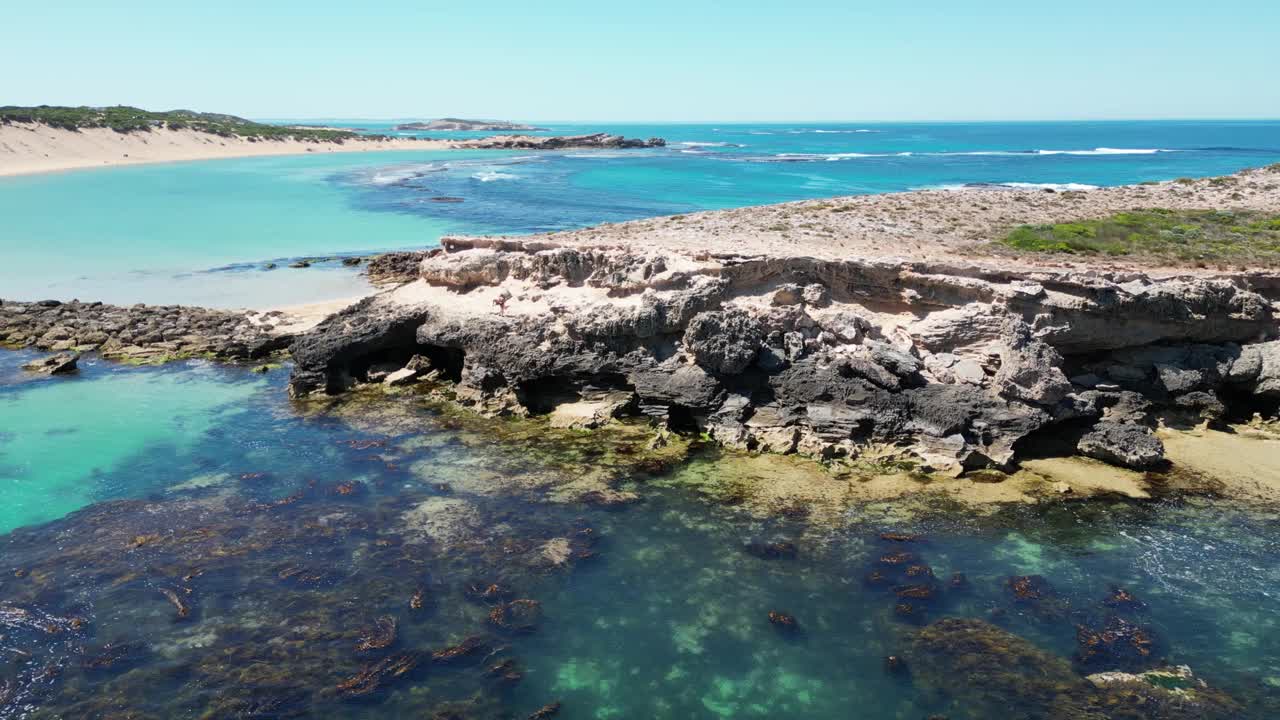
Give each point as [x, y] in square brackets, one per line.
[154, 233]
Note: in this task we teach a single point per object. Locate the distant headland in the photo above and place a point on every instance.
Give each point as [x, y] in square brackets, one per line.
[459, 124]
[49, 138]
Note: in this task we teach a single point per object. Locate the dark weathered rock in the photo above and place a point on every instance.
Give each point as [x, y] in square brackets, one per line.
[724, 342]
[338, 350]
[395, 267]
[61, 364]
[781, 353]
[140, 333]
[1126, 444]
[602, 141]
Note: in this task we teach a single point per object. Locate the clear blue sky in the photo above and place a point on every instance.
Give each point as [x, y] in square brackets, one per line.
[657, 60]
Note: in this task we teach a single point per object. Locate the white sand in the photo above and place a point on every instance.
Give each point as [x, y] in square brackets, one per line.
[31, 148]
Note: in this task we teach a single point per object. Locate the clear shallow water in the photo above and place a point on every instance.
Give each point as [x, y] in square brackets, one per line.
[67, 444]
[659, 612]
[153, 233]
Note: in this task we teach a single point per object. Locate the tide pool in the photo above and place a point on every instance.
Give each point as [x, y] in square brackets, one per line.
[379, 557]
[69, 441]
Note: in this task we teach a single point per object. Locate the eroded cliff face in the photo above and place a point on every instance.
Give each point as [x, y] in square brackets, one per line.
[959, 365]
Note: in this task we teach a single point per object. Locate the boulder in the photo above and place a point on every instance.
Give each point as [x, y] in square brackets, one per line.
[590, 412]
[1030, 370]
[403, 376]
[61, 364]
[685, 385]
[1125, 444]
[816, 295]
[724, 341]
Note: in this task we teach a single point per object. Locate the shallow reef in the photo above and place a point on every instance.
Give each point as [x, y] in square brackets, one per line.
[379, 555]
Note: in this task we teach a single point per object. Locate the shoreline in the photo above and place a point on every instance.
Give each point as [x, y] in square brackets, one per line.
[945, 362]
[869, 329]
[33, 149]
[29, 149]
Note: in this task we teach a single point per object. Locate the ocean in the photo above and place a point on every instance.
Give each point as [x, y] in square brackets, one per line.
[186, 541]
[201, 232]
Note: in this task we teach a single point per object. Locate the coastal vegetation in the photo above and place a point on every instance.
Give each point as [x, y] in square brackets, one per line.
[126, 119]
[1178, 236]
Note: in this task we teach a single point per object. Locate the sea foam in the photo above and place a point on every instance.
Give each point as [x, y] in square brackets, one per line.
[492, 175]
[1060, 187]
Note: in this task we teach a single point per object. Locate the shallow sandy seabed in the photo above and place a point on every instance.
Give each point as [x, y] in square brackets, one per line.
[1246, 463]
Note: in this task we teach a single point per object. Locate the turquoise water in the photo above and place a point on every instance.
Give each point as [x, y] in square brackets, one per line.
[185, 542]
[200, 232]
[154, 233]
[292, 533]
[66, 444]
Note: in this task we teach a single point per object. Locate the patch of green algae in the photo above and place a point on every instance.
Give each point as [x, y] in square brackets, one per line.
[569, 465]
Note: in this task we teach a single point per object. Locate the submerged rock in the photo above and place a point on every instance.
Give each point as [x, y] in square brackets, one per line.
[982, 671]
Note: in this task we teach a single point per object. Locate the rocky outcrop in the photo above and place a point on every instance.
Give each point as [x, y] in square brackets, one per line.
[456, 124]
[395, 268]
[958, 366]
[60, 364]
[594, 141]
[141, 333]
[1125, 444]
[1020, 680]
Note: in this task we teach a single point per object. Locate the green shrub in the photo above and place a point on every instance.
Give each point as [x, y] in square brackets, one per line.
[1177, 236]
[125, 119]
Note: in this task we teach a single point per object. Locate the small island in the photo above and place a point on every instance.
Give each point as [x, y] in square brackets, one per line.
[460, 124]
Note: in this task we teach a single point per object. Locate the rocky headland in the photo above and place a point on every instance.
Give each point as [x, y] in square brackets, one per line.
[839, 329]
[593, 141]
[460, 124]
[45, 139]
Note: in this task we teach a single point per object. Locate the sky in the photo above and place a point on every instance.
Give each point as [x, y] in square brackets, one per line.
[923, 60]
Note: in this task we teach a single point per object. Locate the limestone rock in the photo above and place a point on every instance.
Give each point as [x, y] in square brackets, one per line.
[1125, 444]
[1030, 370]
[403, 376]
[590, 413]
[62, 364]
[816, 295]
[724, 341]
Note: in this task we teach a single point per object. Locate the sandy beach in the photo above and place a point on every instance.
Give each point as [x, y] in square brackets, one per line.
[31, 148]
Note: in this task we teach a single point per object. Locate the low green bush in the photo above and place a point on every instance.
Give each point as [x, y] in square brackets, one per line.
[1160, 234]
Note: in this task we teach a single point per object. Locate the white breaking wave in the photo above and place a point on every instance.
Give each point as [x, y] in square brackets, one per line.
[695, 143]
[492, 175]
[602, 155]
[1030, 153]
[832, 157]
[1060, 187]
[1049, 186]
[395, 175]
[1106, 151]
